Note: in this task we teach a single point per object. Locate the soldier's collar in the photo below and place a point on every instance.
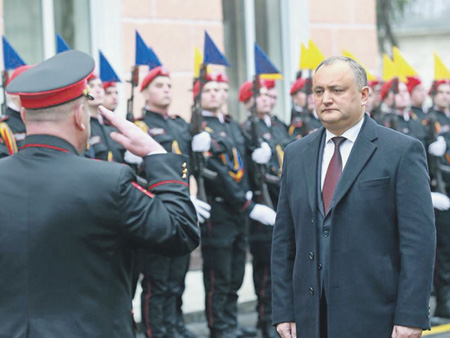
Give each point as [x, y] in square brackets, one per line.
[49, 142]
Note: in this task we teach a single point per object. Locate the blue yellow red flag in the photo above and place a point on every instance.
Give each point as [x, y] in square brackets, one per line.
[212, 55]
[61, 44]
[11, 58]
[107, 73]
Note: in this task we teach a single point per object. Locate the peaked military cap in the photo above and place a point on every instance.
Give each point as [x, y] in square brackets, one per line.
[57, 80]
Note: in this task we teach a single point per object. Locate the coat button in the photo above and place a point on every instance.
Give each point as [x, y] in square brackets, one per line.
[326, 233]
[311, 255]
[319, 266]
[184, 165]
[312, 220]
[311, 290]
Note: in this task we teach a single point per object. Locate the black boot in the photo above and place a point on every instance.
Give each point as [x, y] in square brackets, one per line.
[182, 330]
[229, 333]
[242, 331]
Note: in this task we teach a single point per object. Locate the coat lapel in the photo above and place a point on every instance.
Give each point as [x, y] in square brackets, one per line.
[310, 167]
[361, 153]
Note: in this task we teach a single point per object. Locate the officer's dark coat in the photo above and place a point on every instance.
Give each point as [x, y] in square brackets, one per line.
[382, 238]
[67, 228]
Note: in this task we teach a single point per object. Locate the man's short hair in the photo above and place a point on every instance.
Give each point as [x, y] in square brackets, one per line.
[358, 71]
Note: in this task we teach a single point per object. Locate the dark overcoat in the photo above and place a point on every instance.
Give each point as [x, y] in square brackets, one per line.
[382, 238]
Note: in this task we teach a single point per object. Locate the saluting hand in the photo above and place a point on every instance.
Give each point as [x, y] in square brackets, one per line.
[287, 330]
[406, 332]
[131, 136]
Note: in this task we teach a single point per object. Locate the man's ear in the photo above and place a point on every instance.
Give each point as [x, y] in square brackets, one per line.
[79, 117]
[365, 93]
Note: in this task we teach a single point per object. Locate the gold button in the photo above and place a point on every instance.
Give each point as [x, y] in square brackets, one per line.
[184, 165]
[183, 176]
[184, 170]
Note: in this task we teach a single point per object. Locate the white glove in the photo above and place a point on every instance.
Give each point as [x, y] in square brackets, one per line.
[440, 201]
[131, 158]
[249, 195]
[202, 209]
[263, 214]
[201, 142]
[438, 147]
[262, 154]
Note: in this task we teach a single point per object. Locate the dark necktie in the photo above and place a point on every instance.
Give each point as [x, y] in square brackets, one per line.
[334, 171]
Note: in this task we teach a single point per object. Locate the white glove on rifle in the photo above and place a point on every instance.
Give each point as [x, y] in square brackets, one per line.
[262, 154]
[438, 147]
[249, 195]
[201, 142]
[263, 214]
[202, 209]
[131, 158]
[440, 201]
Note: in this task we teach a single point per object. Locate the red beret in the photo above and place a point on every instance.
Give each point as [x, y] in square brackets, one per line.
[152, 74]
[108, 84]
[413, 82]
[246, 91]
[269, 84]
[298, 84]
[385, 89]
[209, 78]
[19, 70]
[435, 86]
[222, 77]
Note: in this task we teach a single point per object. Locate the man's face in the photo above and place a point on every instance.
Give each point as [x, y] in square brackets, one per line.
[272, 94]
[264, 101]
[223, 91]
[442, 98]
[338, 101]
[159, 92]
[402, 98]
[418, 95]
[97, 92]
[299, 99]
[210, 99]
[111, 98]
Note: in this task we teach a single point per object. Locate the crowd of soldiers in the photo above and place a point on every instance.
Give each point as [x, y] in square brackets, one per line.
[236, 216]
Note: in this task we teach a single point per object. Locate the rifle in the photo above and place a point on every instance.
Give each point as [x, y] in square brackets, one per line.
[134, 81]
[393, 118]
[198, 166]
[261, 192]
[5, 77]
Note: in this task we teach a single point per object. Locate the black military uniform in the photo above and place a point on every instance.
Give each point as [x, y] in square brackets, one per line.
[303, 123]
[68, 232]
[164, 276]
[224, 235]
[419, 112]
[410, 125]
[277, 137]
[12, 133]
[101, 146]
[442, 272]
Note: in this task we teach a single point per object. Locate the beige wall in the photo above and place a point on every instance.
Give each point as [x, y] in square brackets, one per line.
[173, 28]
[336, 25]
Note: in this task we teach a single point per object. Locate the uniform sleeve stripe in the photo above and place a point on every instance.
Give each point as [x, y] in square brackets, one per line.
[166, 182]
[142, 190]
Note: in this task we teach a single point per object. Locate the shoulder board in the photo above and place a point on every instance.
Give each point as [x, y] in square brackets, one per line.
[141, 124]
[8, 138]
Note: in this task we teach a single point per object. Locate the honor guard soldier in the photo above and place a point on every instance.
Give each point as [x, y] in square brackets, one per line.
[401, 117]
[224, 235]
[418, 96]
[439, 117]
[12, 128]
[164, 276]
[101, 146]
[69, 231]
[111, 98]
[274, 137]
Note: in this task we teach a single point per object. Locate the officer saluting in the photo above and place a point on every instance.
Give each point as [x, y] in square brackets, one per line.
[69, 223]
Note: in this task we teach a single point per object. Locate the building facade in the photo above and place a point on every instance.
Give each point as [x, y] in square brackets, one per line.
[174, 27]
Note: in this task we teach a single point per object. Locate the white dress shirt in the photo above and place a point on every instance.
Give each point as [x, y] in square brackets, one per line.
[345, 148]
